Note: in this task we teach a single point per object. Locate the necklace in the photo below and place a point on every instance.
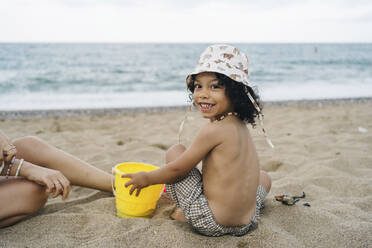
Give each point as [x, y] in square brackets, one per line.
[221, 117]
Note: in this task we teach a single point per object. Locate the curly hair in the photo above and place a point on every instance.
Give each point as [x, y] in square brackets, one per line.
[237, 93]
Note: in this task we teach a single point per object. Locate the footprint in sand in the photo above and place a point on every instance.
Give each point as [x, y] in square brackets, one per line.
[56, 127]
[161, 146]
[272, 165]
[58, 206]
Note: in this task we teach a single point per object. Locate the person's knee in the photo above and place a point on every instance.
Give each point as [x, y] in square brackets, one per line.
[29, 142]
[26, 147]
[174, 151]
[32, 140]
[265, 180]
[179, 148]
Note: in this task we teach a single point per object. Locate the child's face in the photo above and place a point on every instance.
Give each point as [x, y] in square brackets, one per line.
[209, 96]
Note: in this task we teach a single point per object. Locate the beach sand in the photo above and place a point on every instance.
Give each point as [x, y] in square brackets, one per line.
[322, 149]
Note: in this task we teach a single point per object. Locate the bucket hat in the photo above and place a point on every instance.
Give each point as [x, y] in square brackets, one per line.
[224, 59]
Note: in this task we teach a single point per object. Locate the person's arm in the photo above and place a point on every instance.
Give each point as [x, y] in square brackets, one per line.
[207, 138]
[54, 181]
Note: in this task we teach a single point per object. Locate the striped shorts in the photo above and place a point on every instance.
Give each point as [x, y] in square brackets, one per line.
[188, 195]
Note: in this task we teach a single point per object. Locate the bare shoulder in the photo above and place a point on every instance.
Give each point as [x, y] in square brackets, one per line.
[209, 135]
[219, 132]
[230, 126]
[212, 130]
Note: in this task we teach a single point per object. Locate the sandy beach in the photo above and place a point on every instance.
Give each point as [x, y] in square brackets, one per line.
[321, 148]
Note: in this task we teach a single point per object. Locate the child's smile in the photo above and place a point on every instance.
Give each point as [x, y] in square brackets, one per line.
[205, 107]
[210, 97]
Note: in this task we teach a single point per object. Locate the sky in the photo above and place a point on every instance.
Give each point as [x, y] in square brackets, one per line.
[185, 21]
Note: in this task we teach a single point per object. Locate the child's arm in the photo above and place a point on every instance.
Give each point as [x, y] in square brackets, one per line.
[208, 137]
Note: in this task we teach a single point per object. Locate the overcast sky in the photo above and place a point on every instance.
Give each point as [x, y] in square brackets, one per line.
[185, 21]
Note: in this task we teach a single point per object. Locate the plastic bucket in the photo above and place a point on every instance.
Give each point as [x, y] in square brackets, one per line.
[127, 205]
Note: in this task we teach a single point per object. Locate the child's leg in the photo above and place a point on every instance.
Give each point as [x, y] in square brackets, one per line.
[78, 172]
[265, 181]
[263, 189]
[172, 154]
[20, 199]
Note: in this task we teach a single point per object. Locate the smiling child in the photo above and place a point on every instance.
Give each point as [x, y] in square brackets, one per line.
[227, 196]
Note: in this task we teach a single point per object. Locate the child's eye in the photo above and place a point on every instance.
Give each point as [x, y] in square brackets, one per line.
[197, 86]
[215, 86]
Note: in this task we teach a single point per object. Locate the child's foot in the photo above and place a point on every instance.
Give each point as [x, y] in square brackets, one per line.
[178, 215]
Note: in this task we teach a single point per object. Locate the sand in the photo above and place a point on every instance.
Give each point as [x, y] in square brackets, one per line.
[322, 149]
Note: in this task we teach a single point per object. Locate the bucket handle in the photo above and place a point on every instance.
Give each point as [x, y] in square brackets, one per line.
[113, 181]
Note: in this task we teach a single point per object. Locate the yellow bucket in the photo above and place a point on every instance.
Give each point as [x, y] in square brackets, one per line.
[127, 205]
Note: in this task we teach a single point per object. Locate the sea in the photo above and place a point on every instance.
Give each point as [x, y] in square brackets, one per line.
[48, 76]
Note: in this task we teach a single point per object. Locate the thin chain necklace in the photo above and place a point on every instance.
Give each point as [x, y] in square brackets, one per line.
[221, 117]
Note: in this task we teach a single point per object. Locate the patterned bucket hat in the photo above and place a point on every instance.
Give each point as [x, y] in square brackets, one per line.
[223, 59]
[229, 61]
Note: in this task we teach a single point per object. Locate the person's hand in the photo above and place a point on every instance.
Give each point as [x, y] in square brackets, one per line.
[54, 181]
[139, 181]
[7, 151]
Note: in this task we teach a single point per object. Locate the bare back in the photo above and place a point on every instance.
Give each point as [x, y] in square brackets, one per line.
[231, 174]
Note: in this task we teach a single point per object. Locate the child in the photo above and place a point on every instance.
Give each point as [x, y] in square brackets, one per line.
[31, 169]
[227, 197]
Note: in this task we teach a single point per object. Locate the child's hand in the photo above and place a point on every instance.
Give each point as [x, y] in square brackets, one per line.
[139, 181]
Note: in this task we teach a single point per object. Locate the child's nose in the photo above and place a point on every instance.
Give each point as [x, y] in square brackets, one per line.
[203, 93]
